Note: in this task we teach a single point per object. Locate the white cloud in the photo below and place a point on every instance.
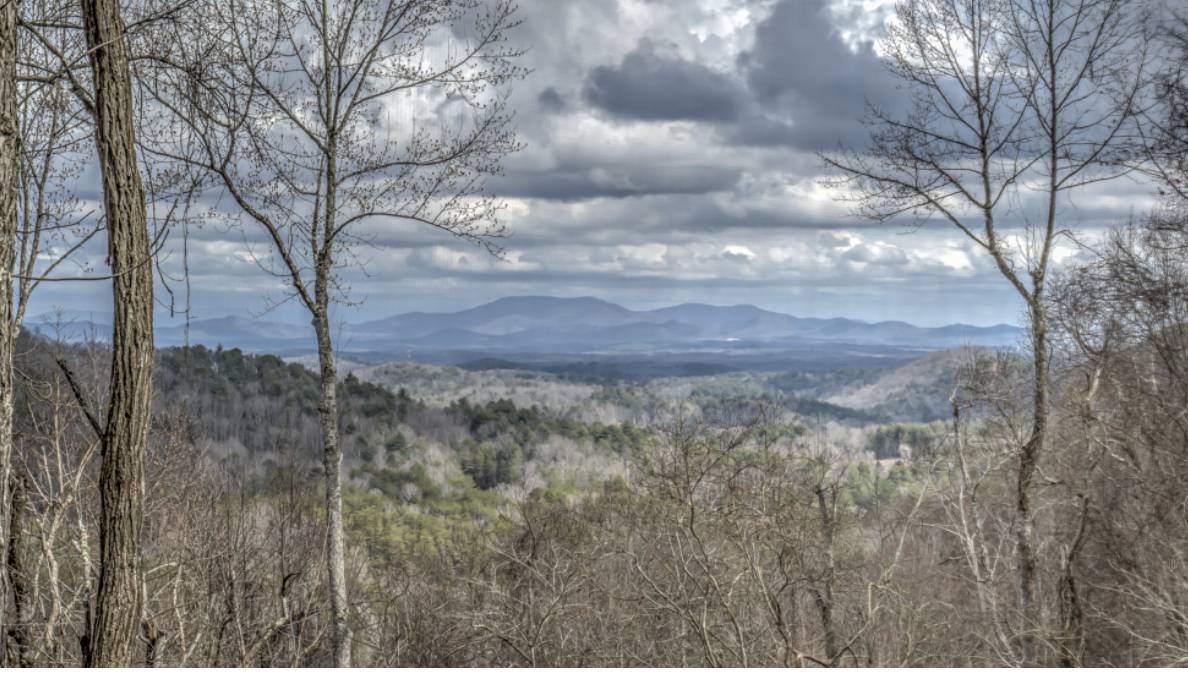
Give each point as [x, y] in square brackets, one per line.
[739, 252]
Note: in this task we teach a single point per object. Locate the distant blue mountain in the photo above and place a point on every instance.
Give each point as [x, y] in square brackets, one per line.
[587, 322]
[503, 316]
[571, 325]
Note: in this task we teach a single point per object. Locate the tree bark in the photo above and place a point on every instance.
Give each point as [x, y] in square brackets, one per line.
[18, 577]
[332, 466]
[824, 596]
[1028, 462]
[118, 604]
[10, 148]
[332, 456]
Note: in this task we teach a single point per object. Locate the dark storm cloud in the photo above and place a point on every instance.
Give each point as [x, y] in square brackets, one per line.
[551, 101]
[801, 84]
[653, 83]
[810, 82]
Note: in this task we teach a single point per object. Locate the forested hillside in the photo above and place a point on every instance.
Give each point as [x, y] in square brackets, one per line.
[485, 531]
[235, 448]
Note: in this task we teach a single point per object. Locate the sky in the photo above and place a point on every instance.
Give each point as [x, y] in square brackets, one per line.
[670, 156]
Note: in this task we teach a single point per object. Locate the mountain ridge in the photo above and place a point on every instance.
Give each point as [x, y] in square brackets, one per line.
[581, 324]
[596, 321]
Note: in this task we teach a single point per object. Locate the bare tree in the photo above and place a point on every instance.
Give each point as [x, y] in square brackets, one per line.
[1165, 124]
[119, 600]
[1010, 97]
[314, 118]
[1122, 314]
[10, 147]
[54, 116]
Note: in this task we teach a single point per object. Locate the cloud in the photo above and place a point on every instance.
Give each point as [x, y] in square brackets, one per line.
[839, 239]
[551, 101]
[579, 181]
[738, 253]
[810, 82]
[655, 83]
[876, 253]
[669, 158]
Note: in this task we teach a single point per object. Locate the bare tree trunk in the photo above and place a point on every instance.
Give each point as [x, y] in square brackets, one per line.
[332, 465]
[1029, 457]
[1072, 615]
[10, 149]
[18, 577]
[1028, 461]
[824, 596]
[332, 457]
[121, 480]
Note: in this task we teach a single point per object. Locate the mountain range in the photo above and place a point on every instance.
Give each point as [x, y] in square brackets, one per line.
[571, 325]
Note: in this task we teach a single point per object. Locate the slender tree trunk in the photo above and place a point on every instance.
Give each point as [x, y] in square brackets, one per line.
[10, 148]
[118, 603]
[1030, 456]
[1034, 448]
[332, 466]
[1071, 614]
[824, 596]
[1028, 462]
[332, 456]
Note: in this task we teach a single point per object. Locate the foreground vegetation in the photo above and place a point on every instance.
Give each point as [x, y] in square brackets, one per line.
[726, 531]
